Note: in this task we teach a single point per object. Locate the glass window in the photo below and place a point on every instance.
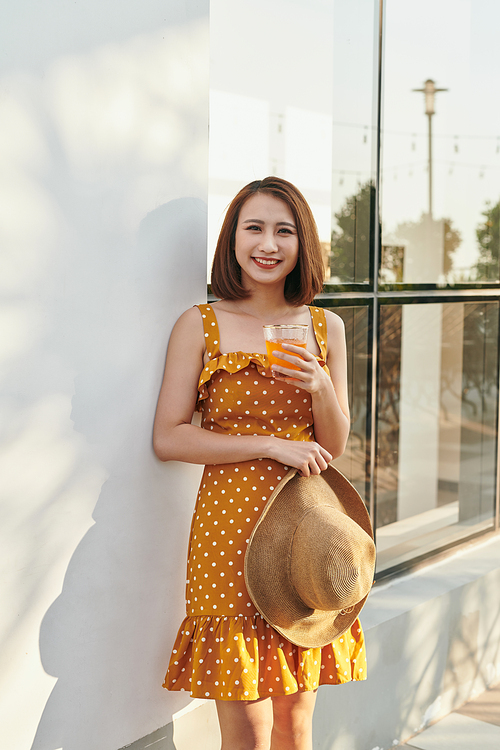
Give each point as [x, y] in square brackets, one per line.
[291, 94]
[354, 460]
[354, 141]
[440, 206]
[294, 92]
[271, 102]
[437, 415]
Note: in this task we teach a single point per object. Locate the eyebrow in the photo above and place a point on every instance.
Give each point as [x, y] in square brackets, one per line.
[278, 224]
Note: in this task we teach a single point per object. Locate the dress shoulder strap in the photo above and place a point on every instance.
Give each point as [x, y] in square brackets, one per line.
[211, 329]
[319, 325]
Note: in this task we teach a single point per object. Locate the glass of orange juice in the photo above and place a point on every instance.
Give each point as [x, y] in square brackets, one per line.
[276, 335]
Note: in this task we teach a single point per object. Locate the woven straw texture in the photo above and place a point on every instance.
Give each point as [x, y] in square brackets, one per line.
[324, 522]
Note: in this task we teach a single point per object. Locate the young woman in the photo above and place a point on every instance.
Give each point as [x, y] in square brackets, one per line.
[257, 422]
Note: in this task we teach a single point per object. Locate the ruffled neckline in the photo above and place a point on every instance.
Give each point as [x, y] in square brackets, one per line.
[233, 363]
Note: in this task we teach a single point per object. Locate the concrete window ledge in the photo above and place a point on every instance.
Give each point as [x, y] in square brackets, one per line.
[433, 642]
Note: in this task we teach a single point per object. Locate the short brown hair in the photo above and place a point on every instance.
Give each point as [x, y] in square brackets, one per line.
[305, 281]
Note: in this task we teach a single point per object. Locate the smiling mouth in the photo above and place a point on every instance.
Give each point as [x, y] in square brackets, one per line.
[266, 262]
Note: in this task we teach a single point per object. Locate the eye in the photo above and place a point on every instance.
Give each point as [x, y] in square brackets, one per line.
[285, 230]
[253, 227]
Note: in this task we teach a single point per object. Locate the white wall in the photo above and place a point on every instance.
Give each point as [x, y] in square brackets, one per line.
[103, 189]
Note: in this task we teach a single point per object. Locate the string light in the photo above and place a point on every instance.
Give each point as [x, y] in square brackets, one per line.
[420, 135]
[452, 164]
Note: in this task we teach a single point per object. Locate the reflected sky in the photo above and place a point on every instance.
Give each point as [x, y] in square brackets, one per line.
[454, 42]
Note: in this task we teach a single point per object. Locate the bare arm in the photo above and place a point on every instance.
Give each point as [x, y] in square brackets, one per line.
[329, 394]
[176, 439]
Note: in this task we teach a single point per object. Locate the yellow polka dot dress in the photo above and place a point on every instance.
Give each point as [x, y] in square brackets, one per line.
[224, 648]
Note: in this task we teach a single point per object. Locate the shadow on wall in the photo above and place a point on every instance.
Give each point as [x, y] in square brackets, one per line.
[108, 636]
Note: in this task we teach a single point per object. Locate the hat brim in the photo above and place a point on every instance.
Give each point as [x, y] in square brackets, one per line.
[268, 553]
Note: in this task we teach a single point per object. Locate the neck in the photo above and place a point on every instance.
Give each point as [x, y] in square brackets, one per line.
[266, 305]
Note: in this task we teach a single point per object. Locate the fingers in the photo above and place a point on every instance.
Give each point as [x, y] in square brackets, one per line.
[303, 353]
[305, 362]
[316, 462]
[306, 379]
[282, 371]
[297, 355]
[307, 457]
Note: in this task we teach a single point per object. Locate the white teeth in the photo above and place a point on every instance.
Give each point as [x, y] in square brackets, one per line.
[266, 262]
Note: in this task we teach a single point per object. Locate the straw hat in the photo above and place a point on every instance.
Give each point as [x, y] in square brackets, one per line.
[310, 560]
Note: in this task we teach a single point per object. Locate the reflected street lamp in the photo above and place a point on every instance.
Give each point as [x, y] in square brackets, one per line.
[430, 90]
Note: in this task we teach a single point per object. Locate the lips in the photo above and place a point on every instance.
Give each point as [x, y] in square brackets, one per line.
[266, 262]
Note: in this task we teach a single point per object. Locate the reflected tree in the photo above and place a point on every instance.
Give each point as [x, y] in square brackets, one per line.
[350, 241]
[353, 461]
[350, 246]
[488, 238]
[388, 403]
[478, 432]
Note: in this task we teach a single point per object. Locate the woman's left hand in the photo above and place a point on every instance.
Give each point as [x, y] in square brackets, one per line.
[310, 376]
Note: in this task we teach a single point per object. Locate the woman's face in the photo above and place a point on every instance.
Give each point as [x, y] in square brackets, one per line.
[266, 241]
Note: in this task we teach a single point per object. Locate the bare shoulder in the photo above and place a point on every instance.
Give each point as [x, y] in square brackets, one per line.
[184, 354]
[190, 322]
[191, 316]
[334, 323]
[336, 357]
[187, 335]
[183, 365]
[336, 339]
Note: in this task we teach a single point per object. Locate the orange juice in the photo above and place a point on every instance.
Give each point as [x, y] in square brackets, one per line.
[276, 346]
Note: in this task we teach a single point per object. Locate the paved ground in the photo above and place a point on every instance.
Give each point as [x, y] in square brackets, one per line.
[475, 726]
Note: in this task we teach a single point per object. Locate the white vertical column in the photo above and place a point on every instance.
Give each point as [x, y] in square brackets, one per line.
[424, 251]
[419, 409]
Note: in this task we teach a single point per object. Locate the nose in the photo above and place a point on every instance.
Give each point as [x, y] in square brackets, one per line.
[268, 243]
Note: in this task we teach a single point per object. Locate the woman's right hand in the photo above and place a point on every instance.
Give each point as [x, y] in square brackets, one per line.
[308, 457]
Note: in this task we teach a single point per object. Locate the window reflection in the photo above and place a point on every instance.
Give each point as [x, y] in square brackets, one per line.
[271, 102]
[310, 117]
[350, 247]
[353, 462]
[440, 143]
[437, 407]
[419, 251]
[305, 115]
[354, 141]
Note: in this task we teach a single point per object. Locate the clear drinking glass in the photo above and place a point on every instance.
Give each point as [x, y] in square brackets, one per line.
[277, 335]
